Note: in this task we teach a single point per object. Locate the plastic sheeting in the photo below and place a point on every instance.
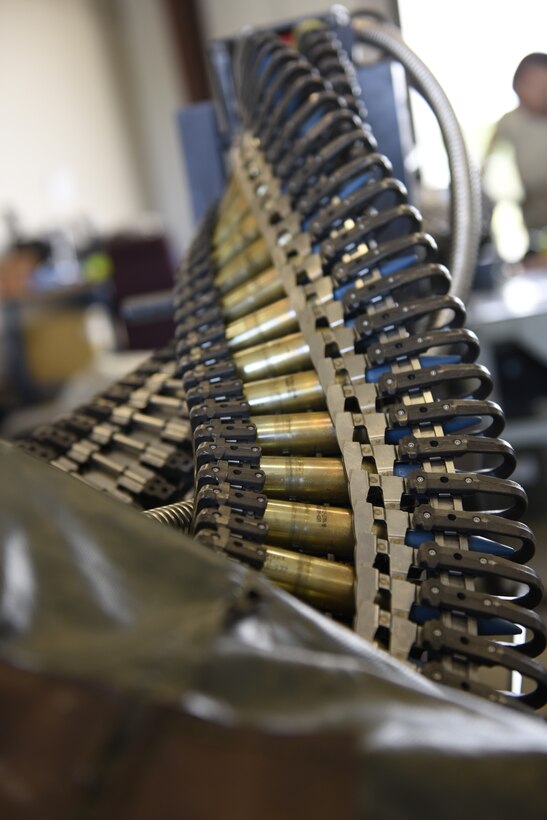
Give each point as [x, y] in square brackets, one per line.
[143, 676]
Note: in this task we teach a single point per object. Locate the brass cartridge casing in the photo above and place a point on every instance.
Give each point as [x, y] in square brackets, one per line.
[232, 188]
[277, 358]
[305, 479]
[267, 323]
[233, 200]
[233, 203]
[236, 240]
[321, 583]
[285, 394]
[243, 266]
[231, 206]
[310, 527]
[264, 289]
[228, 223]
[297, 434]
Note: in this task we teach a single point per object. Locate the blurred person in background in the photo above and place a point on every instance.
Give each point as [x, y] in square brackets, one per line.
[523, 132]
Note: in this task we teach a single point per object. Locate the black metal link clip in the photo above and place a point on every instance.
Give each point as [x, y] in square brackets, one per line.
[210, 409]
[221, 539]
[227, 390]
[241, 430]
[358, 298]
[446, 597]
[199, 323]
[497, 457]
[327, 186]
[333, 215]
[467, 486]
[198, 356]
[224, 495]
[224, 369]
[443, 640]
[519, 536]
[454, 378]
[464, 340]
[204, 339]
[443, 411]
[434, 559]
[354, 142]
[239, 524]
[247, 478]
[234, 452]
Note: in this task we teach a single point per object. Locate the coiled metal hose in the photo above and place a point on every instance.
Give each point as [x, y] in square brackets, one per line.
[178, 516]
[466, 198]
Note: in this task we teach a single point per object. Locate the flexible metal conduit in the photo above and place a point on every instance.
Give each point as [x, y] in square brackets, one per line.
[466, 201]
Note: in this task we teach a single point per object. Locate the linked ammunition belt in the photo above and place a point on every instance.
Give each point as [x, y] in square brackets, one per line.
[132, 441]
[343, 442]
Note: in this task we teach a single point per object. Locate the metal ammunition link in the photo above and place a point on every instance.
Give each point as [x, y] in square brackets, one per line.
[141, 458]
[227, 516]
